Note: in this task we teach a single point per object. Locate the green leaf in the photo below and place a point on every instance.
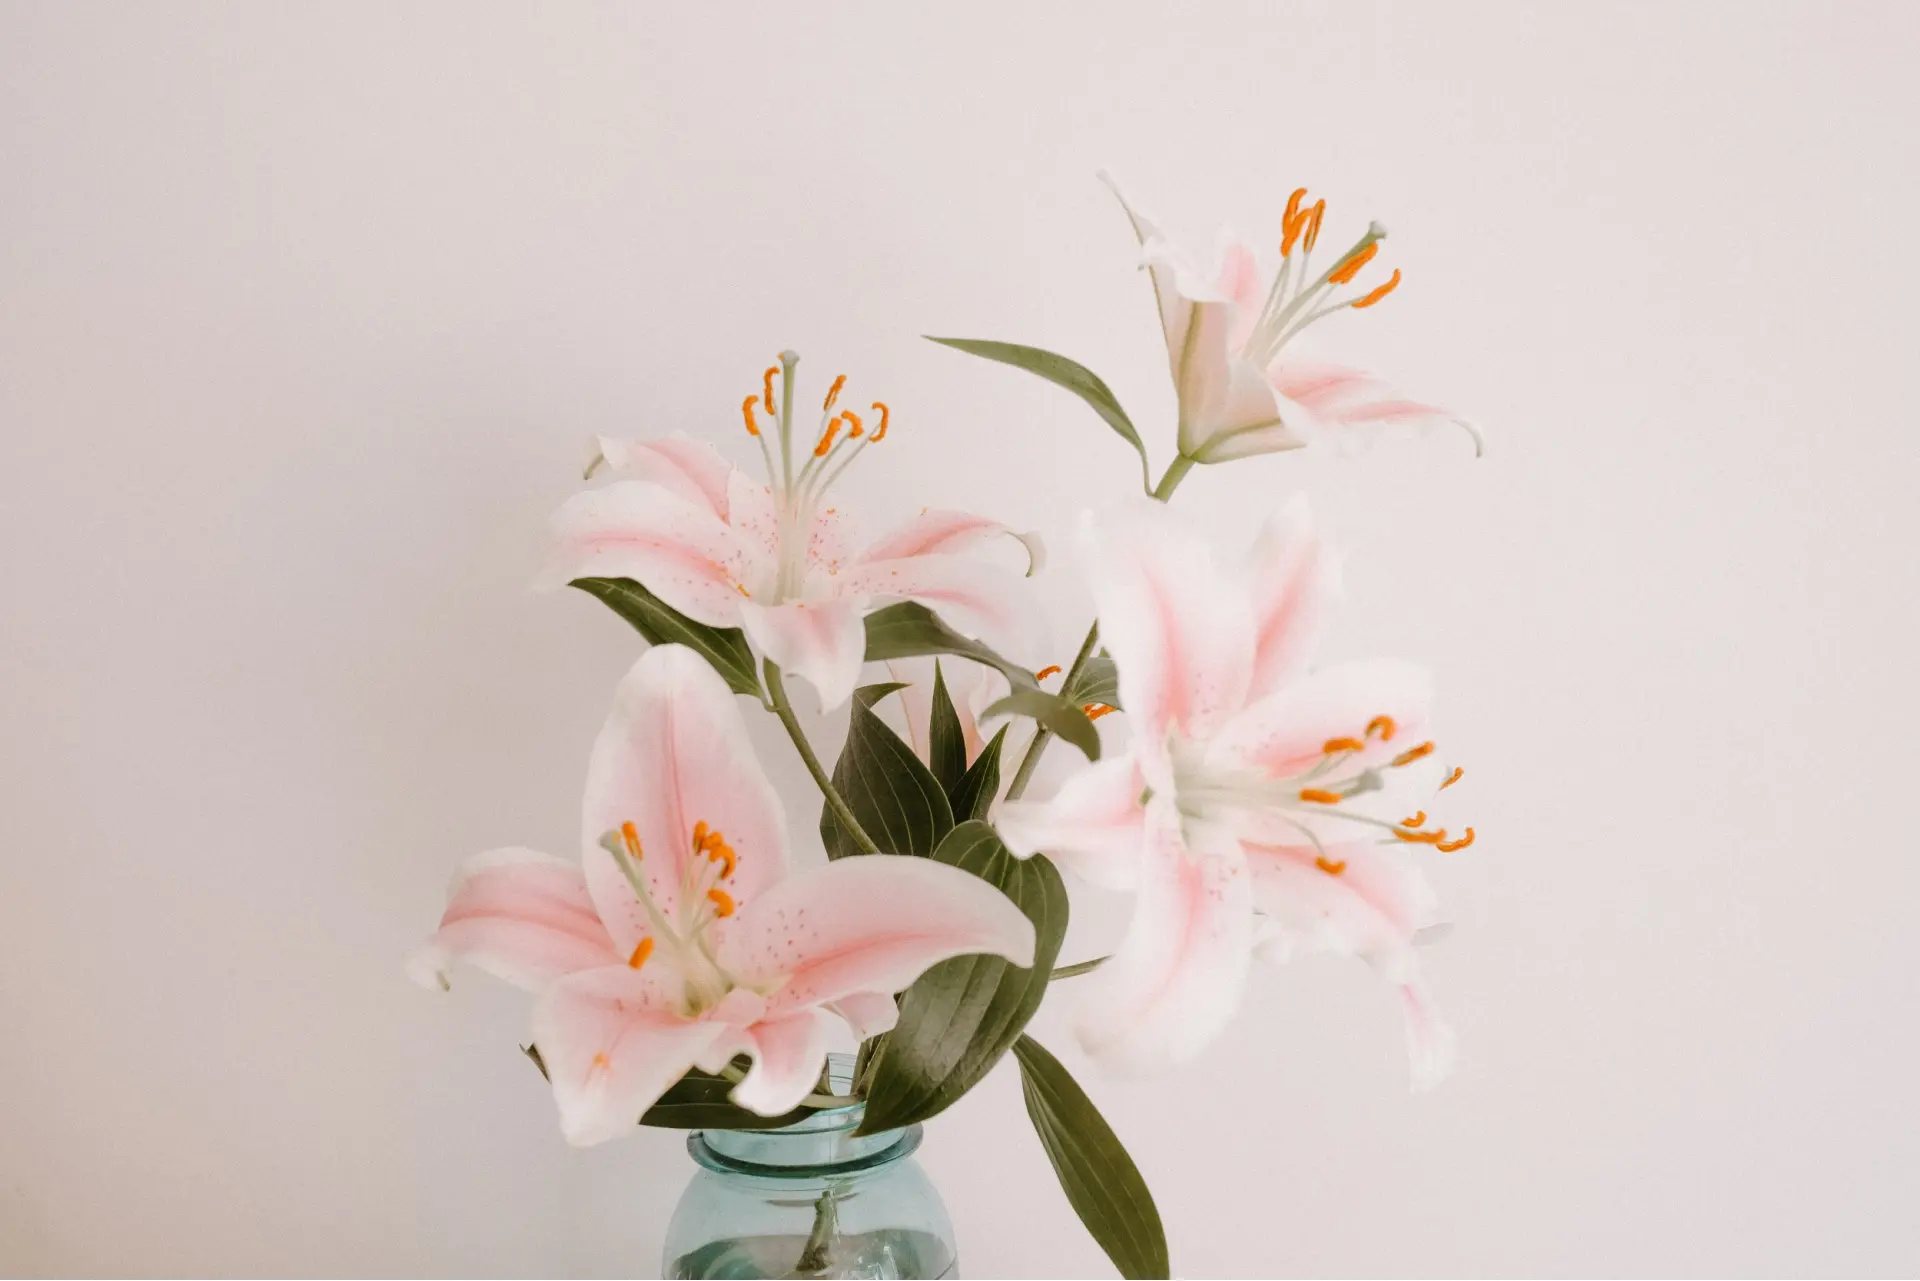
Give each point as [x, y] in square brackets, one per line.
[963, 1014]
[724, 647]
[1097, 682]
[946, 742]
[698, 1101]
[1060, 715]
[1061, 372]
[893, 796]
[1101, 1181]
[981, 783]
[911, 630]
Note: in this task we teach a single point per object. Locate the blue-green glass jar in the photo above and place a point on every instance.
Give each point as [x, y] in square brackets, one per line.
[810, 1200]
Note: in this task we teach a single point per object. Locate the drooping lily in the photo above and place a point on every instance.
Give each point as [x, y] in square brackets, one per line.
[773, 558]
[1258, 804]
[1244, 384]
[679, 940]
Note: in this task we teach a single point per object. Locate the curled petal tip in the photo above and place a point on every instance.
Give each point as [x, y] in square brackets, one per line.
[1036, 550]
[1479, 437]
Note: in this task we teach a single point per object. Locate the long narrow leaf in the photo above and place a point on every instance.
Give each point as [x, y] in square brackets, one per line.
[724, 647]
[961, 1016]
[896, 799]
[1102, 1183]
[1061, 372]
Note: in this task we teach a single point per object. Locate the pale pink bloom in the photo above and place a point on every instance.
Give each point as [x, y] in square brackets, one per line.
[1258, 804]
[728, 551]
[1244, 384]
[679, 940]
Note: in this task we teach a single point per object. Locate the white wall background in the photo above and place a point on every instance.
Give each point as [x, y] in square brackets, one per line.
[308, 311]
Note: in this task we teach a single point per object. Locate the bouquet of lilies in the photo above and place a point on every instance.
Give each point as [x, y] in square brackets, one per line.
[1253, 802]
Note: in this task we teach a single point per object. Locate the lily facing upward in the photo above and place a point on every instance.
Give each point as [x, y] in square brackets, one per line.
[1243, 382]
[774, 558]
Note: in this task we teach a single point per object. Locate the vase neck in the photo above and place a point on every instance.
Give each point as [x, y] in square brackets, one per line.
[824, 1143]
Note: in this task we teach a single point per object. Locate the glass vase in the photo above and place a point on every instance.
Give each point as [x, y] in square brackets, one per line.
[809, 1200]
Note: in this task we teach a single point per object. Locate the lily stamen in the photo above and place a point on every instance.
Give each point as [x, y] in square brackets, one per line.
[1448, 847]
[833, 393]
[1045, 672]
[746, 409]
[1382, 725]
[1320, 796]
[722, 902]
[641, 951]
[1418, 820]
[1382, 291]
[1335, 746]
[1453, 777]
[1412, 754]
[1350, 266]
[767, 385]
[1332, 867]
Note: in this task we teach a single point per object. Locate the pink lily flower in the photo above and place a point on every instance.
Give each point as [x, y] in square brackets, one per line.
[1244, 385]
[1258, 806]
[773, 558]
[679, 940]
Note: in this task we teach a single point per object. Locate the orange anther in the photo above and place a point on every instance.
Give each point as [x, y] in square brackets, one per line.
[1449, 847]
[1292, 222]
[1095, 711]
[1331, 867]
[856, 429]
[1379, 293]
[722, 902]
[722, 854]
[880, 432]
[1333, 746]
[641, 951]
[1422, 838]
[1350, 265]
[826, 437]
[1045, 672]
[1453, 777]
[746, 408]
[1413, 754]
[833, 393]
[699, 834]
[742, 589]
[1383, 726]
[766, 383]
[1320, 796]
[1415, 821]
[1312, 219]
[631, 838]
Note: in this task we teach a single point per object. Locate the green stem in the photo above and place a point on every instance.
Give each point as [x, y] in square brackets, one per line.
[1041, 734]
[816, 1255]
[1176, 472]
[777, 691]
